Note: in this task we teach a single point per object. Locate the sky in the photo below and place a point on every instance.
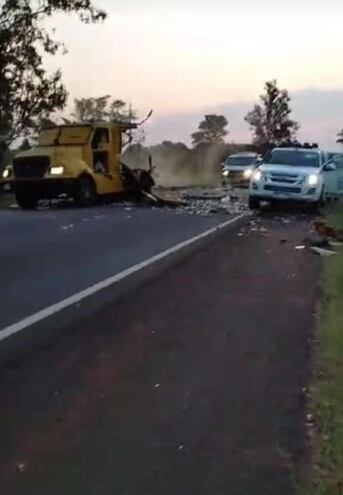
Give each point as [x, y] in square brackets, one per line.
[184, 59]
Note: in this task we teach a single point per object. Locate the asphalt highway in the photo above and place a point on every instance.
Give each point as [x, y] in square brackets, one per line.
[49, 255]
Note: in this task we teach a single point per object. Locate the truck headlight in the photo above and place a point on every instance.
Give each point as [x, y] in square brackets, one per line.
[225, 173]
[257, 175]
[248, 173]
[6, 173]
[313, 180]
[57, 170]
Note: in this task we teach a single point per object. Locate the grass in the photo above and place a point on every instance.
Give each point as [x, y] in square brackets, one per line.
[328, 388]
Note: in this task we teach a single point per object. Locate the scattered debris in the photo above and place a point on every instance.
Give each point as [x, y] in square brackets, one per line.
[300, 248]
[21, 467]
[67, 227]
[181, 447]
[323, 251]
[327, 231]
[325, 238]
[157, 385]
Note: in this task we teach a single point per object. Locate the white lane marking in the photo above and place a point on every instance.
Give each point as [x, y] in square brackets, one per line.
[76, 298]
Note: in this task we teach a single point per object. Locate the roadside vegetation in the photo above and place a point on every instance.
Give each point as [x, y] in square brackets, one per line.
[328, 389]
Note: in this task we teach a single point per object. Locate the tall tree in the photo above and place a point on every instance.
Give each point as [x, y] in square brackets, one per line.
[212, 130]
[270, 120]
[27, 92]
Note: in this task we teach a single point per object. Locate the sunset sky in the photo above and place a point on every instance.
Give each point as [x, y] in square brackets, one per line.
[189, 57]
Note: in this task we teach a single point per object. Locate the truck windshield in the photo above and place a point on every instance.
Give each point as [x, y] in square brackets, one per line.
[298, 158]
[242, 161]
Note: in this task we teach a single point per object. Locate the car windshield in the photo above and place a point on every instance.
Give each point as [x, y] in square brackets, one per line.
[241, 161]
[293, 157]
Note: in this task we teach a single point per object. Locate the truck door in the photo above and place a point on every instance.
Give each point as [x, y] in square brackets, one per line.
[100, 150]
[102, 157]
[338, 175]
[329, 176]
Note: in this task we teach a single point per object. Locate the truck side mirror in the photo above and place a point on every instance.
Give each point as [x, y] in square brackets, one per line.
[329, 167]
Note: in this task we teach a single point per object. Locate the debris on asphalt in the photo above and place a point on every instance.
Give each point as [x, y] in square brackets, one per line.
[316, 241]
[327, 231]
[325, 238]
[300, 248]
[157, 385]
[21, 467]
[204, 201]
[323, 251]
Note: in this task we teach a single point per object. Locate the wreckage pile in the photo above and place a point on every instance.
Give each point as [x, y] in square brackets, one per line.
[325, 238]
[205, 201]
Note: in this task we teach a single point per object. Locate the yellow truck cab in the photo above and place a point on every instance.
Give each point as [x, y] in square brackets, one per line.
[80, 161]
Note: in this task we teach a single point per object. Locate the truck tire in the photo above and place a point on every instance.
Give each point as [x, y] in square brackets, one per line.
[254, 203]
[85, 192]
[26, 200]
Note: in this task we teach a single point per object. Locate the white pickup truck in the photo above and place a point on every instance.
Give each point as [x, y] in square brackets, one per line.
[303, 174]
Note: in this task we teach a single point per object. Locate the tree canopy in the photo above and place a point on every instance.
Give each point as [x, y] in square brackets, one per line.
[212, 130]
[102, 109]
[270, 120]
[27, 92]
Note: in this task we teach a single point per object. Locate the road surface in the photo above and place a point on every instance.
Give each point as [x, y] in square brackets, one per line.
[195, 384]
[49, 255]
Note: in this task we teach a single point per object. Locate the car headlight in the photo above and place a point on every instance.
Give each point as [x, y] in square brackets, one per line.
[57, 170]
[248, 173]
[313, 179]
[6, 173]
[225, 173]
[257, 175]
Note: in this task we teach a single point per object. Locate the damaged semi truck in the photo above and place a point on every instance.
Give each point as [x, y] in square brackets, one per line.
[81, 161]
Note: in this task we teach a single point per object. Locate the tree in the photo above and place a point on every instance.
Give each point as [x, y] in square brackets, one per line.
[211, 131]
[27, 92]
[270, 121]
[339, 138]
[102, 109]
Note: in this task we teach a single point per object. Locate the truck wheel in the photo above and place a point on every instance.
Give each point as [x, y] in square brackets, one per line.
[254, 203]
[85, 192]
[26, 200]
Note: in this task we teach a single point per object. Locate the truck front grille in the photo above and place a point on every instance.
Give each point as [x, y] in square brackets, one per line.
[31, 167]
[285, 189]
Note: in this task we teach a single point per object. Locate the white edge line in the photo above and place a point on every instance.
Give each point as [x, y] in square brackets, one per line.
[76, 298]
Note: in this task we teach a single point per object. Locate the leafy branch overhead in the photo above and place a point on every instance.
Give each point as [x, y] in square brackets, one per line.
[27, 92]
[270, 120]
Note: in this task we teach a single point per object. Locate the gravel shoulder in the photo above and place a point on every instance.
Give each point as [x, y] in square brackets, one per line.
[192, 385]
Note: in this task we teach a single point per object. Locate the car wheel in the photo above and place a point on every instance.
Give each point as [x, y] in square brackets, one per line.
[85, 192]
[254, 203]
[26, 200]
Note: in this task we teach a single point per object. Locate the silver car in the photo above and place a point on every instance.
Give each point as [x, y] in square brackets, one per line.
[238, 168]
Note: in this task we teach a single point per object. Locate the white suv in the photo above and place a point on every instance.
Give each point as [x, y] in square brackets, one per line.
[299, 174]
